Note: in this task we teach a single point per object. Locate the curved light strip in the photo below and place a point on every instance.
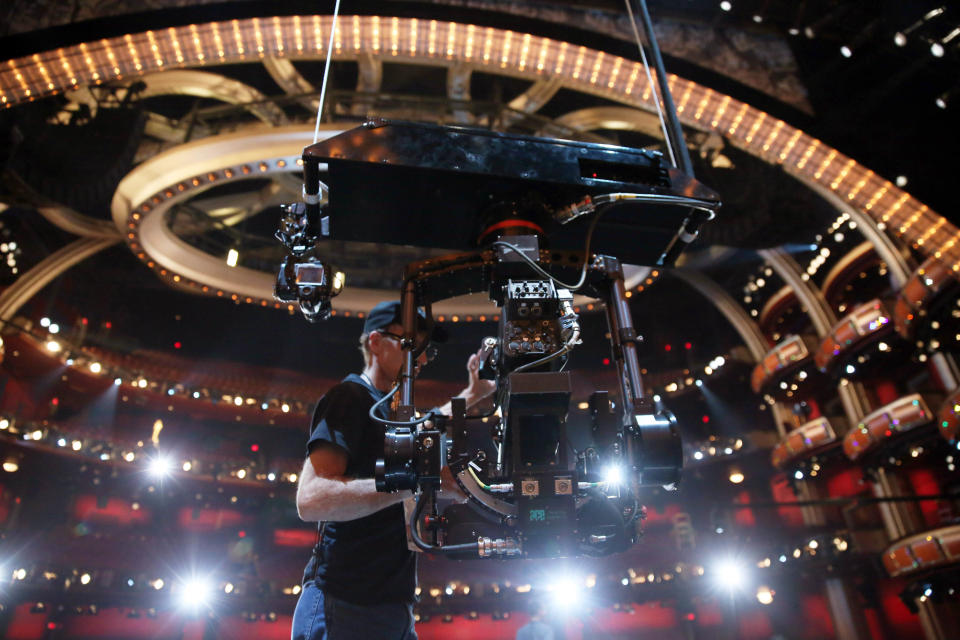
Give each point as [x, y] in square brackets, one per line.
[504, 52]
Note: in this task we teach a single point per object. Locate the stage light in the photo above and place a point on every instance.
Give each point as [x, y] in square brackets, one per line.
[613, 475]
[44, 322]
[53, 346]
[228, 588]
[941, 101]
[117, 381]
[798, 474]
[187, 465]
[61, 442]
[232, 256]
[698, 455]
[730, 574]
[142, 383]
[238, 401]
[846, 51]
[900, 39]
[157, 584]
[566, 594]
[11, 465]
[757, 18]
[271, 476]
[850, 369]
[736, 476]
[937, 50]
[656, 398]
[76, 445]
[85, 578]
[264, 406]
[195, 593]
[242, 473]
[285, 408]
[54, 328]
[765, 594]
[726, 5]
[4, 423]
[159, 467]
[901, 181]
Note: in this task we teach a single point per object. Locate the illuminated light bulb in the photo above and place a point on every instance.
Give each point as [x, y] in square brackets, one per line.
[158, 467]
[613, 475]
[195, 593]
[765, 595]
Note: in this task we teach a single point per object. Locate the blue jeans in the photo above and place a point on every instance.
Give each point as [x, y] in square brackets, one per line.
[322, 617]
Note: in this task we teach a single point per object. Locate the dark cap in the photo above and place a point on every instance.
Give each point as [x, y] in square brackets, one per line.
[387, 313]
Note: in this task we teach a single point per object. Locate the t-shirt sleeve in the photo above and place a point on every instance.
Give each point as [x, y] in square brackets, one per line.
[339, 419]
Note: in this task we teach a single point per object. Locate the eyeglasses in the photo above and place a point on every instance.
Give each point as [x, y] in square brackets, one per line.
[431, 352]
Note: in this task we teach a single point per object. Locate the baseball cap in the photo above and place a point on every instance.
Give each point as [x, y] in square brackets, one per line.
[388, 312]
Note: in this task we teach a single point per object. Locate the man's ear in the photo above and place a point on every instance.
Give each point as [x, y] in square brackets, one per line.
[373, 342]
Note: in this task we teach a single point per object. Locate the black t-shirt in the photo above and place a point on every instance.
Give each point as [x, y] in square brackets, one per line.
[364, 561]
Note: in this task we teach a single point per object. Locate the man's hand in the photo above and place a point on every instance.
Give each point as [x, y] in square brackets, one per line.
[477, 389]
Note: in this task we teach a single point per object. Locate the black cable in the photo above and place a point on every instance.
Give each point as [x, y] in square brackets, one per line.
[395, 423]
[540, 270]
[417, 540]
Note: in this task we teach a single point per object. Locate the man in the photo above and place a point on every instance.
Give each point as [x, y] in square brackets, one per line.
[361, 579]
[536, 629]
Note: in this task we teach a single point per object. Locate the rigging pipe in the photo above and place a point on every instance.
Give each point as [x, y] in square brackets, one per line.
[676, 133]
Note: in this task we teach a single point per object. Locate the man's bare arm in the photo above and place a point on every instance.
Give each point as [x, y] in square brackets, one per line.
[324, 493]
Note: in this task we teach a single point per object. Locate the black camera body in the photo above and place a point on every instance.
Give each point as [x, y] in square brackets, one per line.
[304, 278]
[522, 207]
[411, 458]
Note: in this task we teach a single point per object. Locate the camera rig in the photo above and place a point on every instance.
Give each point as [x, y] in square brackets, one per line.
[523, 212]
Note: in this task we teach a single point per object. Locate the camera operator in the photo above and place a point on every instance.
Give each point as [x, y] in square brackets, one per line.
[360, 580]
